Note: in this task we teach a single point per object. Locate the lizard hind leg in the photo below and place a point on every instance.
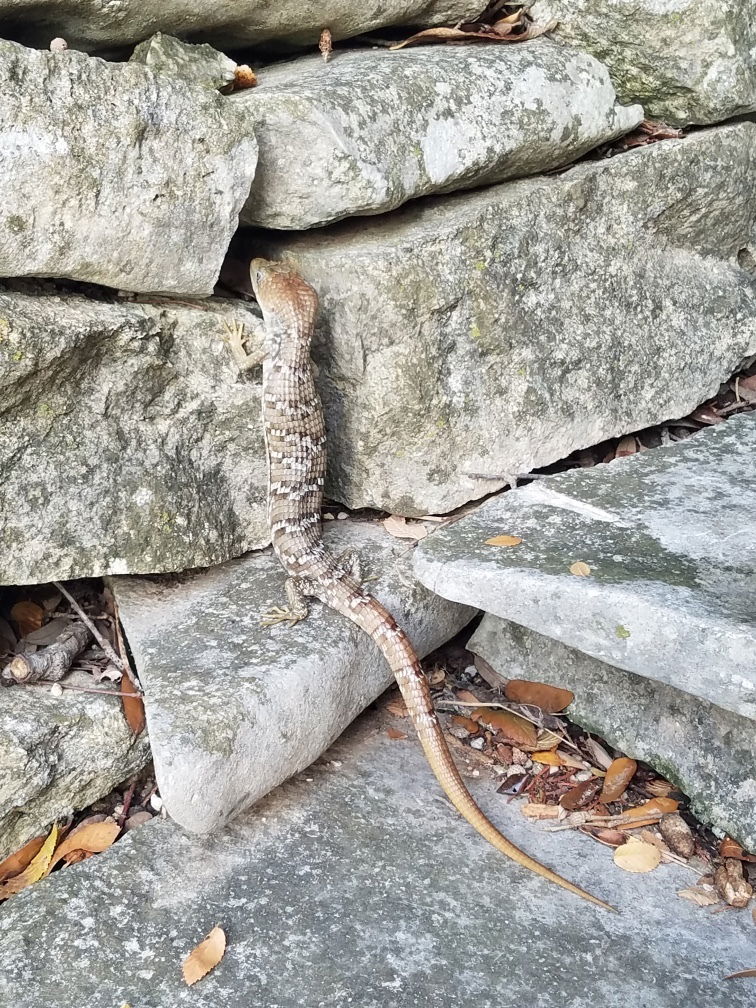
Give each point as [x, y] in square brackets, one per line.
[297, 590]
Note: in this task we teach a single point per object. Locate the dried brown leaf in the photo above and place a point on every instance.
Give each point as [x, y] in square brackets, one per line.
[701, 897]
[465, 722]
[551, 699]
[204, 957]
[741, 973]
[394, 733]
[581, 795]
[637, 856]
[618, 776]
[92, 837]
[465, 696]
[513, 727]
[627, 446]
[504, 540]
[580, 569]
[502, 31]
[37, 868]
[400, 528]
[398, 708]
[654, 808]
[21, 859]
[133, 705]
[659, 787]
[325, 44]
[27, 616]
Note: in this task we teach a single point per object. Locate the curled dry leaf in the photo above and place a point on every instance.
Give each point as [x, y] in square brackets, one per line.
[37, 868]
[654, 808]
[610, 837]
[465, 696]
[551, 699]
[398, 708]
[91, 838]
[618, 776]
[729, 848]
[394, 733]
[637, 856]
[400, 528]
[504, 30]
[581, 795]
[204, 957]
[133, 705]
[580, 569]
[27, 616]
[701, 897]
[731, 884]
[741, 973]
[16, 863]
[513, 727]
[627, 446]
[597, 752]
[548, 757]
[504, 540]
[677, 835]
[465, 722]
[325, 44]
[659, 787]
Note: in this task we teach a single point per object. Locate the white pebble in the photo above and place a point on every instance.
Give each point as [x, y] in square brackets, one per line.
[56, 689]
[342, 515]
[477, 743]
[156, 802]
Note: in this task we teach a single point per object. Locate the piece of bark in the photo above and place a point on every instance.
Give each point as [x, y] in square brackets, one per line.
[50, 664]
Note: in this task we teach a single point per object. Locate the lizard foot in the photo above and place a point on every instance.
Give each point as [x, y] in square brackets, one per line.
[275, 615]
[237, 339]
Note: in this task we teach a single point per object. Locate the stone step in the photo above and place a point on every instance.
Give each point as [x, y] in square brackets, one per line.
[670, 539]
[233, 709]
[357, 884]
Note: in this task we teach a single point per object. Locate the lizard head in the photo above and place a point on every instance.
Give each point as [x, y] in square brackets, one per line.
[284, 297]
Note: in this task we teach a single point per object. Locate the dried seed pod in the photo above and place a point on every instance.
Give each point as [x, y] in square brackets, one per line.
[731, 884]
[677, 834]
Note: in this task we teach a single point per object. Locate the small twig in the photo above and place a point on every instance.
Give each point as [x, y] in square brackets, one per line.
[94, 689]
[52, 662]
[104, 644]
[127, 799]
[503, 706]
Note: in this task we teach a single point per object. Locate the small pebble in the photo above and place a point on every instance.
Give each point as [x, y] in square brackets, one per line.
[582, 775]
[342, 515]
[58, 45]
[336, 764]
[137, 819]
[328, 516]
[56, 689]
[477, 743]
[156, 802]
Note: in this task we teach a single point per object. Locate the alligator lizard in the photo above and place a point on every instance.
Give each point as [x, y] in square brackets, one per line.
[296, 440]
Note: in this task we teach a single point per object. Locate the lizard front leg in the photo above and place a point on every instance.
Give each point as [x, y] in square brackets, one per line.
[238, 338]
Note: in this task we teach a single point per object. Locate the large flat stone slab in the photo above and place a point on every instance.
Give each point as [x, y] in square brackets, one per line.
[59, 754]
[113, 174]
[708, 752]
[234, 709]
[357, 884]
[129, 442]
[686, 61]
[670, 537]
[469, 337]
[88, 24]
[381, 128]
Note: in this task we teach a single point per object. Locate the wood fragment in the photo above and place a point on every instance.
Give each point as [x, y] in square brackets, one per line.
[50, 664]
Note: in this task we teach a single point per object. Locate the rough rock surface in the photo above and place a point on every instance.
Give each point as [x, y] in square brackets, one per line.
[469, 337]
[380, 128]
[233, 709]
[91, 24]
[200, 64]
[344, 888]
[128, 440]
[112, 174]
[670, 537]
[686, 61]
[58, 754]
[708, 752]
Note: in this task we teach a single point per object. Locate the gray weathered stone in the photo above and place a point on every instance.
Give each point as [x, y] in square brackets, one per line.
[686, 61]
[708, 752]
[58, 754]
[374, 129]
[90, 24]
[357, 884]
[466, 338]
[112, 174]
[670, 537]
[128, 440]
[234, 709]
[196, 64]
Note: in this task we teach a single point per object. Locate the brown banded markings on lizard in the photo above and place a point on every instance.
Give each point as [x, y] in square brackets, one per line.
[296, 444]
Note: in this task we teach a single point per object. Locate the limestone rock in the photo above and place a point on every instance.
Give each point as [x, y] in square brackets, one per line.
[91, 25]
[196, 64]
[128, 439]
[59, 754]
[686, 61]
[112, 174]
[670, 539]
[466, 338]
[374, 129]
[233, 709]
[706, 751]
[342, 889]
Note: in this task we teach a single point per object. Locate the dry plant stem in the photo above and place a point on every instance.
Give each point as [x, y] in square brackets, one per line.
[503, 706]
[94, 689]
[50, 664]
[104, 644]
[127, 800]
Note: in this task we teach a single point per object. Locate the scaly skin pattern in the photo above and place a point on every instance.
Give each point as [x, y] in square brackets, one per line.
[296, 440]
